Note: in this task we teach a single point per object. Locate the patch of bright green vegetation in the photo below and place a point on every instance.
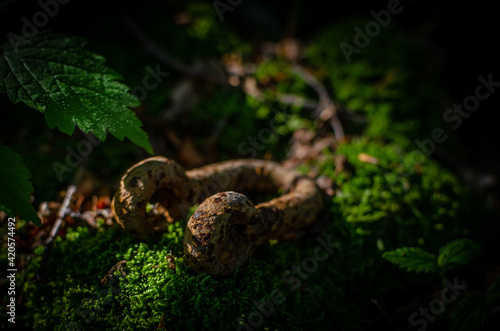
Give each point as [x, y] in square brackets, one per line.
[156, 287]
[401, 199]
[411, 195]
[391, 81]
[371, 213]
[397, 199]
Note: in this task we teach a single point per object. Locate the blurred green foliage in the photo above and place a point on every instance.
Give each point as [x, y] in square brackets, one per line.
[402, 199]
[392, 80]
[409, 193]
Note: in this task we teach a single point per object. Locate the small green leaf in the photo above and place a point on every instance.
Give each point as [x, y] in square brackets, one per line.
[412, 259]
[16, 186]
[72, 86]
[457, 253]
[471, 313]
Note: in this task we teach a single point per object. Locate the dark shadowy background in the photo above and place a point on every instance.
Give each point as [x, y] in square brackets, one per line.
[460, 39]
[461, 36]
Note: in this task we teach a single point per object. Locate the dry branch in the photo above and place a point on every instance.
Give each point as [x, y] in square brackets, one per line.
[61, 214]
[327, 108]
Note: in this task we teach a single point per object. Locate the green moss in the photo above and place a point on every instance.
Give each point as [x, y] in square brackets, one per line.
[369, 214]
[148, 292]
[402, 200]
[405, 199]
[411, 195]
[391, 81]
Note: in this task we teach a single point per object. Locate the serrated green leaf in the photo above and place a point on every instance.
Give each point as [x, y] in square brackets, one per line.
[15, 186]
[457, 253]
[470, 314]
[412, 259]
[72, 86]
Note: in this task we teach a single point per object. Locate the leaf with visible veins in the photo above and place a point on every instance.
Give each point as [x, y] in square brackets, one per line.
[71, 86]
[412, 258]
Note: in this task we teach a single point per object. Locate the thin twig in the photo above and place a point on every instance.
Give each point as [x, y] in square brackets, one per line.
[381, 310]
[89, 217]
[296, 100]
[250, 88]
[61, 214]
[152, 49]
[326, 105]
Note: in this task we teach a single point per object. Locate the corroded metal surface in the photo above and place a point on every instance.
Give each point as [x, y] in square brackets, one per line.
[225, 229]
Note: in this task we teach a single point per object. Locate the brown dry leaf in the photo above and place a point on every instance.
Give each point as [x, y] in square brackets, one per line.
[189, 155]
[250, 88]
[307, 147]
[326, 184]
[367, 158]
[290, 48]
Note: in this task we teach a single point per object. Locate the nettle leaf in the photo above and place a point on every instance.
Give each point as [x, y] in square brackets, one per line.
[15, 186]
[71, 86]
[457, 253]
[471, 313]
[412, 259]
